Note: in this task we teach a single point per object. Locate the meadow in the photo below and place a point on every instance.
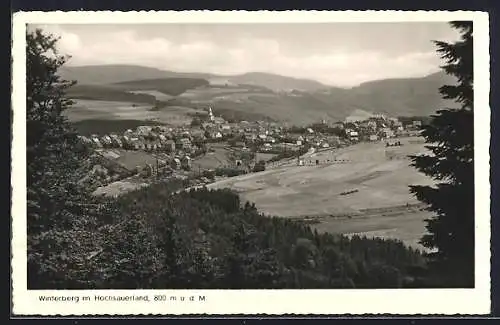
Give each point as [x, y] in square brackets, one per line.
[114, 111]
[375, 177]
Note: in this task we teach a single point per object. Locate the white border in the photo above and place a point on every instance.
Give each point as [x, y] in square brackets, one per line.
[273, 302]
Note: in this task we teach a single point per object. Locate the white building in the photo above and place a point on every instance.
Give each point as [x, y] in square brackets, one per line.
[211, 114]
[353, 135]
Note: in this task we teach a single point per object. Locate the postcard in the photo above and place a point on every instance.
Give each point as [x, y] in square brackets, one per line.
[241, 163]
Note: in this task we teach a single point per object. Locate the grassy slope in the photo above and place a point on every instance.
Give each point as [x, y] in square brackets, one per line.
[100, 92]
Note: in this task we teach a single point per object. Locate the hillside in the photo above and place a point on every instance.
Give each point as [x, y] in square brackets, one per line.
[410, 96]
[170, 86]
[107, 93]
[115, 73]
[276, 82]
[255, 95]
[204, 239]
[110, 74]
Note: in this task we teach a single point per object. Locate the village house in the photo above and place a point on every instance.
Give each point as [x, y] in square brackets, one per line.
[371, 125]
[85, 140]
[106, 140]
[392, 120]
[215, 135]
[144, 130]
[176, 163]
[184, 144]
[353, 135]
[126, 141]
[338, 125]
[398, 124]
[197, 133]
[162, 138]
[270, 140]
[115, 140]
[138, 144]
[226, 132]
[186, 162]
[373, 137]
[387, 133]
[206, 125]
[219, 120]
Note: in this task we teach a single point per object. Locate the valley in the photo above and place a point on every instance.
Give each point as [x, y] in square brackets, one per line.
[380, 203]
[358, 189]
[256, 96]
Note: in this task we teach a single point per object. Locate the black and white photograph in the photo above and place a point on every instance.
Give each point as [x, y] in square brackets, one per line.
[249, 156]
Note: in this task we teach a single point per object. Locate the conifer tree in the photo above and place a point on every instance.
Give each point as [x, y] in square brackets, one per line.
[450, 139]
[52, 148]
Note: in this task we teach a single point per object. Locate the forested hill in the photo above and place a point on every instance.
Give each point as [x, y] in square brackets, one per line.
[117, 73]
[206, 239]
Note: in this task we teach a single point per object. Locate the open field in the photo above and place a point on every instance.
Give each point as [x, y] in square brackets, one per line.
[264, 156]
[129, 159]
[212, 160]
[373, 176]
[108, 110]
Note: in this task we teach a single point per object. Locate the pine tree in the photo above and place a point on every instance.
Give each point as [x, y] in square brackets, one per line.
[52, 148]
[450, 139]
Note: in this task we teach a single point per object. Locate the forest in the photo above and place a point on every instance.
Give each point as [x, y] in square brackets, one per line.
[151, 238]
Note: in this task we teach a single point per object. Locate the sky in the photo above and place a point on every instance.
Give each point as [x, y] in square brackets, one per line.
[337, 54]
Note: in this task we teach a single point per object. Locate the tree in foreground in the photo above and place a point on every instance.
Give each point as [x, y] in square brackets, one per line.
[449, 135]
[53, 154]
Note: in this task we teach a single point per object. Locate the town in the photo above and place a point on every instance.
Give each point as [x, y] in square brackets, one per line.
[211, 148]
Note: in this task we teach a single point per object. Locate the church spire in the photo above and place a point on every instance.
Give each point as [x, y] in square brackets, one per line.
[210, 114]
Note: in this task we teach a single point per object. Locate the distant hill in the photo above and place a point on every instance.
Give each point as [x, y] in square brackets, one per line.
[251, 95]
[394, 97]
[110, 74]
[277, 82]
[410, 96]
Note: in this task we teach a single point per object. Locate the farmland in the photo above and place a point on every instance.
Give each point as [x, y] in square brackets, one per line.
[115, 110]
[377, 178]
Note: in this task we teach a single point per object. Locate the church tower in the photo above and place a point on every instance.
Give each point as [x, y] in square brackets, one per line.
[210, 114]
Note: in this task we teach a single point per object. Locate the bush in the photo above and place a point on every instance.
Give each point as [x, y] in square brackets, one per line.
[260, 166]
[229, 172]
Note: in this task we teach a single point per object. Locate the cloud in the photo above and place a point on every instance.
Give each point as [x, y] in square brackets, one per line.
[334, 66]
